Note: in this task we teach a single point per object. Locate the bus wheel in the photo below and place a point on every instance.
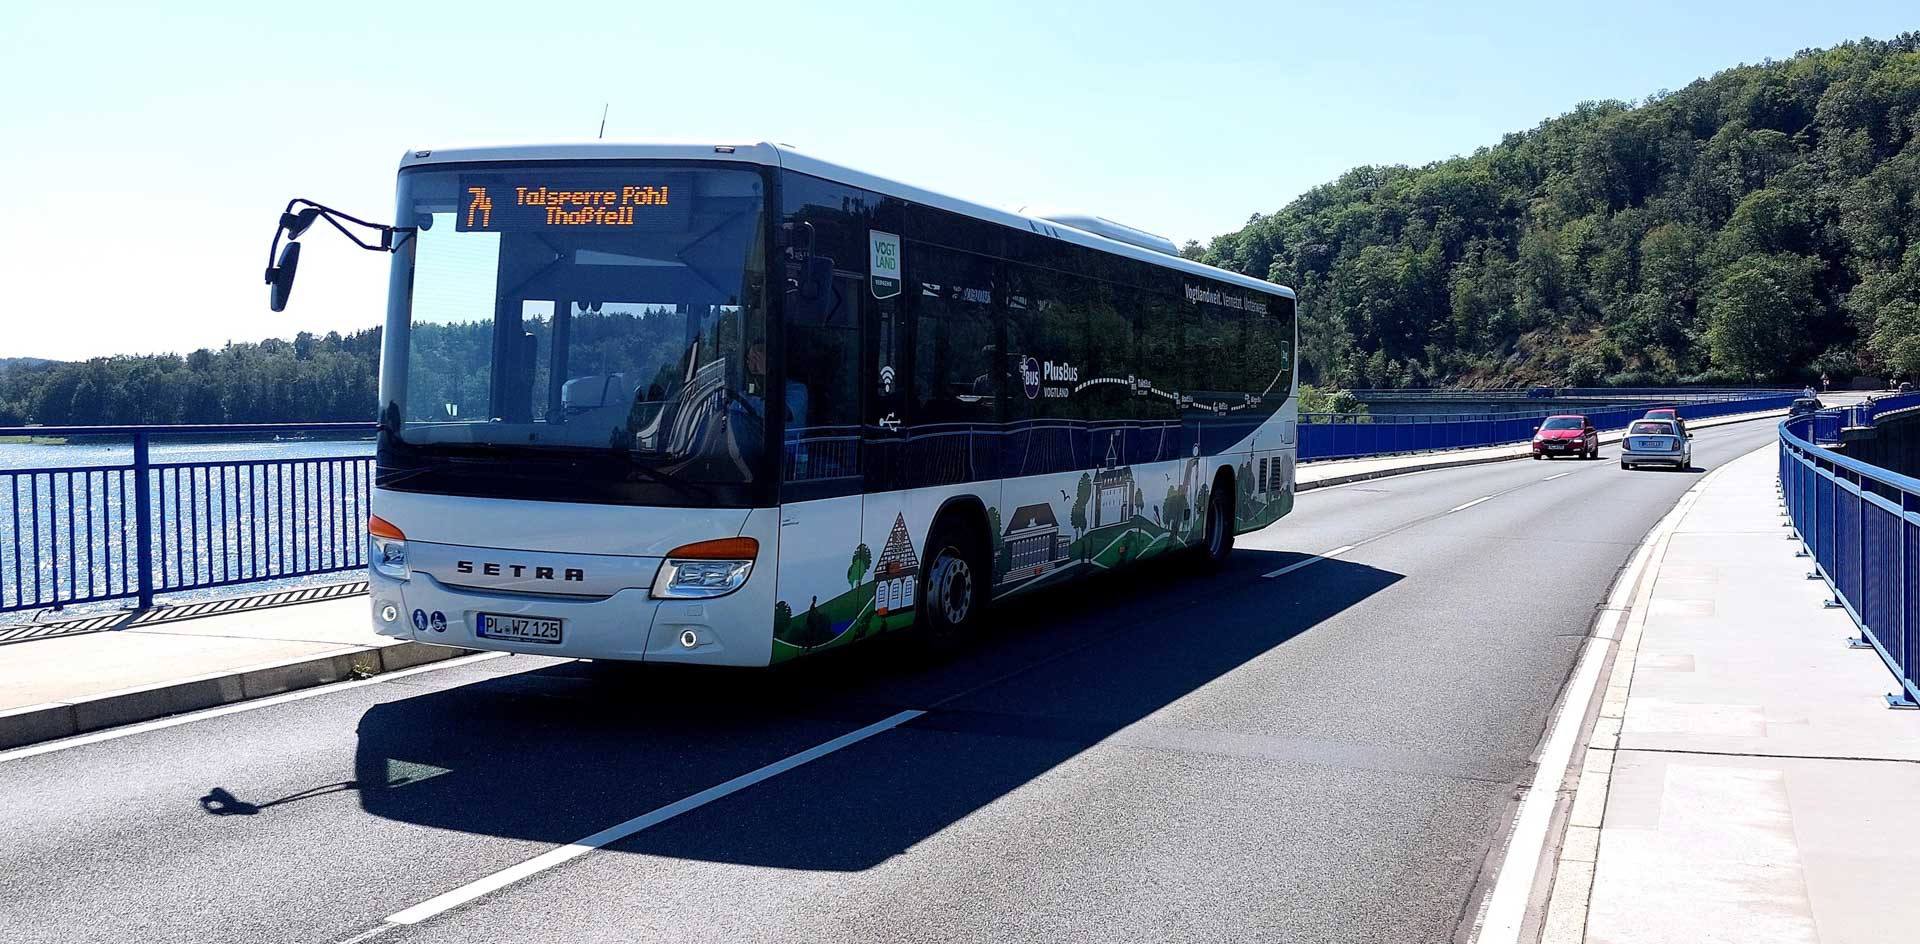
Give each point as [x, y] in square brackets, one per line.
[1218, 542]
[953, 591]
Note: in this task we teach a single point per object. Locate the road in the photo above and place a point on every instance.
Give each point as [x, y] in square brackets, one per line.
[1324, 755]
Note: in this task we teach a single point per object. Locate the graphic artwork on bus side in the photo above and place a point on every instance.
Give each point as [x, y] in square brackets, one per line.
[866, 608]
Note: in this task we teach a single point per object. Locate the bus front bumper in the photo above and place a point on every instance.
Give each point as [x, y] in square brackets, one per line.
[736, 629]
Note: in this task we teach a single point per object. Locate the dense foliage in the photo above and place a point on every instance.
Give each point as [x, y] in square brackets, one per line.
[310, 379]
[1759, 225]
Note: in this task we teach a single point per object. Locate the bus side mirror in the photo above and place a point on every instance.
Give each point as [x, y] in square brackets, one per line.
[810, 298]
[280, 277]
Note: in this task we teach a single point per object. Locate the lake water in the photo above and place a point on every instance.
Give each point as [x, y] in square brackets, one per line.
[240, 511]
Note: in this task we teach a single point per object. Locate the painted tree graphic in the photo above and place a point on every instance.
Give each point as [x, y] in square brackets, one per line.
[857, 568]
[782, 619]
[1079, 519]
[1002, 560]
[1173, 512]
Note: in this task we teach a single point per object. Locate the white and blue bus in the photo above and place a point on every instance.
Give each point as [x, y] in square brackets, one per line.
[732, 404]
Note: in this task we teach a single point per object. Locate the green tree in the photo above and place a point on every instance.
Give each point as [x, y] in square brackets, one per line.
[1079, 517]
[1756, 315]
[857, 568]
[1896, 338]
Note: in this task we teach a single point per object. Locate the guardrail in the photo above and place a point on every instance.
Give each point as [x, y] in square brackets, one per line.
[1861, 526]
[129, 529]
[1536, 393]
[1356, 438]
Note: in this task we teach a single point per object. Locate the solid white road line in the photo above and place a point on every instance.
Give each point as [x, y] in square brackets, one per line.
[540, 863]
[237, 707]
[1469, 504]
[1507, 905]
[1560, 476]
[1309, 562]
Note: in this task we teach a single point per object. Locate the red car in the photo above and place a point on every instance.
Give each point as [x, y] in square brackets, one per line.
[1668, 413]
[1566, 436]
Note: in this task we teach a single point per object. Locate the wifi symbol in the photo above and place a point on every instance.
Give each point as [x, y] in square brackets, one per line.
[886, 375]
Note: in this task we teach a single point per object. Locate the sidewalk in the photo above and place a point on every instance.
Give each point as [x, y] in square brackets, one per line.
[120, 669]
[169, 661]
[1745, 781]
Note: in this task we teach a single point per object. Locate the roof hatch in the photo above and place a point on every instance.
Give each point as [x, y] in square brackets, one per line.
[1101, 226]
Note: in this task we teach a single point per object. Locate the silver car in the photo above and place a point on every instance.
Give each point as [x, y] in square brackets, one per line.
[1656, 442]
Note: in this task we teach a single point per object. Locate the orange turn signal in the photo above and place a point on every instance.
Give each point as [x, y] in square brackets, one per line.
[722, 549]
[382, 528]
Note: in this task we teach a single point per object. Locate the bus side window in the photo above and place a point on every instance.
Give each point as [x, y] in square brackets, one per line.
[951, 298]
[822, 389]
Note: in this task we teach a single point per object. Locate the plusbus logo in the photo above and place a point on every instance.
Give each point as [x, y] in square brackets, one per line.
[1030, 377]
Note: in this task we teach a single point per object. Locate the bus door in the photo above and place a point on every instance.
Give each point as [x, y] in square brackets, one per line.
[824, 555]
[889, 526]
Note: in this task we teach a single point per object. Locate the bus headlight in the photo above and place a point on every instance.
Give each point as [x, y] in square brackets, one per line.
[388, 550]
[705, 569]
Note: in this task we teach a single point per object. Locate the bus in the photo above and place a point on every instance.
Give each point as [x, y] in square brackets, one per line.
[735, 405]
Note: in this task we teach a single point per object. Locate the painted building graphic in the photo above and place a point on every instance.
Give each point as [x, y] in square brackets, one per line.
[1033, 541]
[896, 571]
[1112, 491]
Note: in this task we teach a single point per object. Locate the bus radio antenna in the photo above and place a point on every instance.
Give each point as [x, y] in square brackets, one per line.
[603, 120]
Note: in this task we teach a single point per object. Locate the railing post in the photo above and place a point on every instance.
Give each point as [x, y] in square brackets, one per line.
[143, 521]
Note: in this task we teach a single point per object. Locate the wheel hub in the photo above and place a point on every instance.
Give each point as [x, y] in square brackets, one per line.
[952, 586]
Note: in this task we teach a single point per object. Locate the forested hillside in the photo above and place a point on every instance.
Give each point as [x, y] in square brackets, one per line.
[1759, 225]
[308, 379]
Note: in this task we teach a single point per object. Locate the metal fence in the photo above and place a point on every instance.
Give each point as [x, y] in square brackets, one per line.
[1352, 438]
[128, 530]
[1861, 526]
[74, 533]
[1537, 393]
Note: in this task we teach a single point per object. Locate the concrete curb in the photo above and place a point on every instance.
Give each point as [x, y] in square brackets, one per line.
[1590, 778]
[1463, 461]
[52, 720]
[1548, 901]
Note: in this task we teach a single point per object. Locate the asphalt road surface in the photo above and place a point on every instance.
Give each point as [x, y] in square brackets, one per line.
[1324, 755]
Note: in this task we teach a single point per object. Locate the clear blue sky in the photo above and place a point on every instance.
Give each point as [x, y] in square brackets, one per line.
[149, 147]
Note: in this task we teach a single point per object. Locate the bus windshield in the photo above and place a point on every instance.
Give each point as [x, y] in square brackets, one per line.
[613, 310]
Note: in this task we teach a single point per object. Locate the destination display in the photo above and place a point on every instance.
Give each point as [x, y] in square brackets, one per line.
[598, 200]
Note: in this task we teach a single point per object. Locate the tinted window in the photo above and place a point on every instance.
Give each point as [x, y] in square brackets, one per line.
[1563, 422]
[955, 361]
[1269, 349]
[1213, 351]
[1047, 318]
[1159, 343]
[1652, 429]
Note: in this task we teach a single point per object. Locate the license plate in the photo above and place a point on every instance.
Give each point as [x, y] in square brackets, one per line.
[518, 628]
[1556, 445]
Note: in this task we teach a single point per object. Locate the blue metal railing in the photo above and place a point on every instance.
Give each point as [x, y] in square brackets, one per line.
[129, 530]
[1353, 437]
[1536, 393]
[1861, 526]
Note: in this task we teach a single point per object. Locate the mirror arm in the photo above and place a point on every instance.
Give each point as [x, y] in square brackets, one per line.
[391, 237]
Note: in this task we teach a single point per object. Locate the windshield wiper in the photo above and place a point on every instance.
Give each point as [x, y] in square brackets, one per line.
[695, 489]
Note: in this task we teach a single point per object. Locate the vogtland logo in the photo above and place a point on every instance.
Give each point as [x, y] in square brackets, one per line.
[1030, 377]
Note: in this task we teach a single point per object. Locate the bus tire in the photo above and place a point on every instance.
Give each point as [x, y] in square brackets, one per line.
[954, 587]
[1216, 541]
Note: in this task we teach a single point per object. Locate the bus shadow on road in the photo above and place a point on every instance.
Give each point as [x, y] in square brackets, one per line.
[556, 754]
